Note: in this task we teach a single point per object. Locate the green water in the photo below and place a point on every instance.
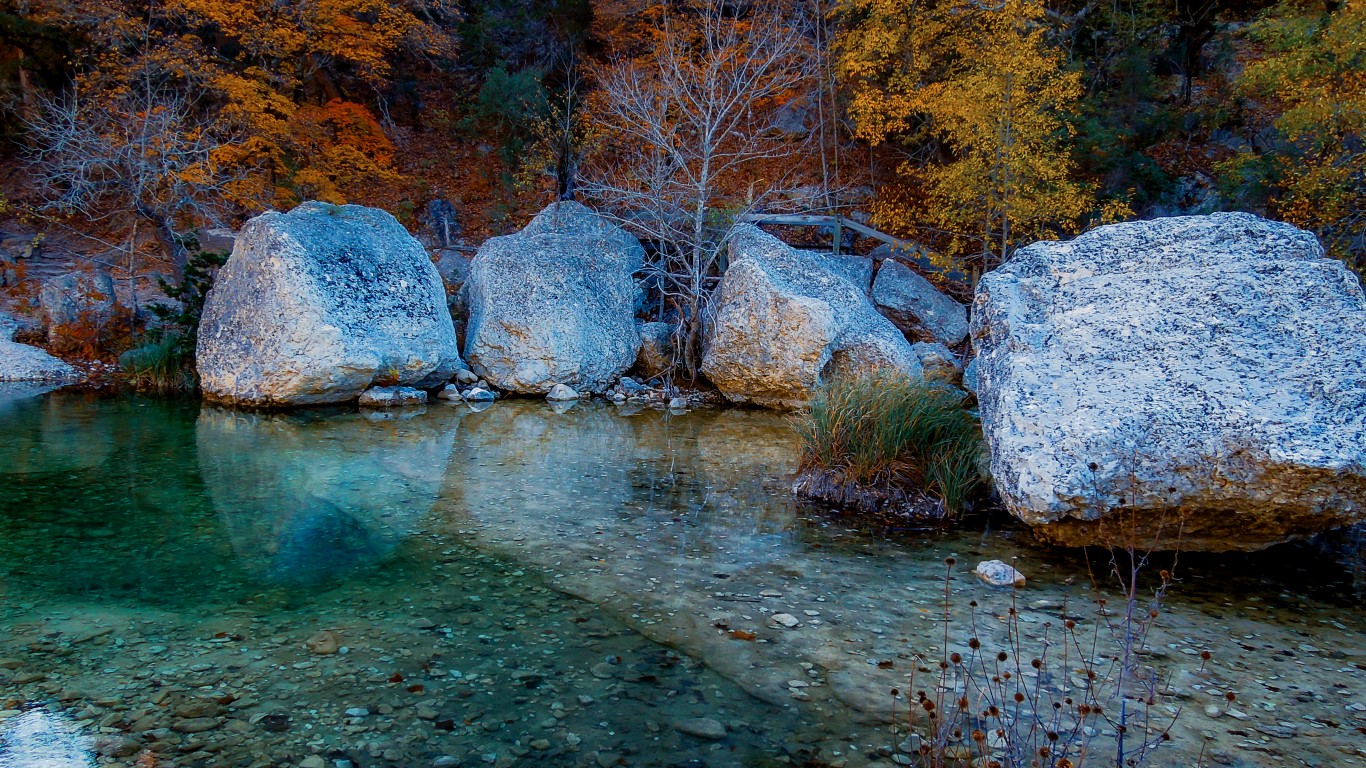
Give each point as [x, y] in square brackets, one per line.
[532, 585]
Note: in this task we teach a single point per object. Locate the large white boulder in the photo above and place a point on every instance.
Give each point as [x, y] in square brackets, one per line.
[786, 319]
[1196, 382]
[554, 303]
[319, 304]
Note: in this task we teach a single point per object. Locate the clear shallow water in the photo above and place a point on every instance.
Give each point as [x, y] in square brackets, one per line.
[529, 585]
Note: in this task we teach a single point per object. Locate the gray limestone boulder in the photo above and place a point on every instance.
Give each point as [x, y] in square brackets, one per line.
[917, 307]
[321, 303]
[1206, 375]
[77, 299]
[656, 354]
[786, 319]
[20, 362]
[554, 303]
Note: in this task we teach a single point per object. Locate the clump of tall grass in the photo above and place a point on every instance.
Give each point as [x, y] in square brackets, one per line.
[886, 429]
[162, 364]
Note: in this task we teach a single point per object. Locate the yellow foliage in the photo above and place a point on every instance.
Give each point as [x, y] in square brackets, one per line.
[981, 91]
[1313, 81]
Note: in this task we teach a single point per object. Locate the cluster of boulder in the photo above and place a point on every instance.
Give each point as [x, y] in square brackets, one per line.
[1203, 375]
[325, 303]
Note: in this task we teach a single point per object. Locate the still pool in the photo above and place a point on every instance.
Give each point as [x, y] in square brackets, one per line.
[548, 585]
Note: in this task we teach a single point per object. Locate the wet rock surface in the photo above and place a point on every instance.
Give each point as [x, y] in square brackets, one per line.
[565, 589]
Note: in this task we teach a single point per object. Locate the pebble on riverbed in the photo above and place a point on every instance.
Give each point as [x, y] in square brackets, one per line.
[998, 574]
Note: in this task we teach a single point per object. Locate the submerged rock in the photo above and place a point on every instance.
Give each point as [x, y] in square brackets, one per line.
[998, 574]
[554, 303]
[317, 304]
[917, 307]
[1205, 374]
[786, 319]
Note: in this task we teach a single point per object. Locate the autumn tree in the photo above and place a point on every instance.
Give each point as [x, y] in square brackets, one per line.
[686, 138]
[141, 157]
[1310, 87]
[977, 98]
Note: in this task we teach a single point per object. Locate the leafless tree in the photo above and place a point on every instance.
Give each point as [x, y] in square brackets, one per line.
[683, 129]
[143, 156]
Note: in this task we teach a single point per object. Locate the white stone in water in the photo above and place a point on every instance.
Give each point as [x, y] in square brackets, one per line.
[561, 393]
[479, 394]
[998, 574]
[41, 739]
[785, 619]
[449, 392]
[678, 404]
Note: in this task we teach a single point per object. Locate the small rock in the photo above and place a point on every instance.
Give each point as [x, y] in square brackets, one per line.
[702, 728]
[422, 623]
[998, 574]
[540, 745]
[467, 377]
[1213, 711]
[603, 670]
[678, 404]
[784, 620]
[313, 761]
[450, 392]
[391, 397]
[195, 725]
[561, 393]
[479, 395]
[357, 712]
[118, 746]
[608, 759]
[324, 643]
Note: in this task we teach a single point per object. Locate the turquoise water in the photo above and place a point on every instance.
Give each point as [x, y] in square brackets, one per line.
[535, 585]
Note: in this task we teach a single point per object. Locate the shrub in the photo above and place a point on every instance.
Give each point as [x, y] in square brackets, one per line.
[889, 429]
[159, 365]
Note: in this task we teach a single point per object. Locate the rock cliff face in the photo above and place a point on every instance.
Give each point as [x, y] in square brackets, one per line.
[786, 319]
[318, 304]
[554, 303]
[1205, 374]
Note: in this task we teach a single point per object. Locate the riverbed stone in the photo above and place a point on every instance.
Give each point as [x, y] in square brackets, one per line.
[321, 303]
[1206, 374]
[999, 574]
[787, 320]
[555, 303]
[918, 308]
[702, 728]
